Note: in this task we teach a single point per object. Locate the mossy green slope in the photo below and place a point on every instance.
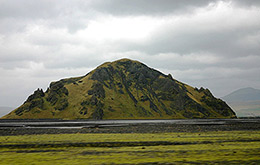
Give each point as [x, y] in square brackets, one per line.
[124, 89]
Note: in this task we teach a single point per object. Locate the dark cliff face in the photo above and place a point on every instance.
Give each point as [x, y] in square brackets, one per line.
[123, 89]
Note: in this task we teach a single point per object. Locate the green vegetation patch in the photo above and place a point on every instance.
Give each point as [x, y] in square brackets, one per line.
[123, 89]
[238, 147]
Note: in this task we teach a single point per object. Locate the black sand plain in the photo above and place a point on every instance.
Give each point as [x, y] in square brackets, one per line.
[30, 127]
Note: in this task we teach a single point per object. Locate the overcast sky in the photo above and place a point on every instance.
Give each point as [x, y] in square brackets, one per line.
[214, 44]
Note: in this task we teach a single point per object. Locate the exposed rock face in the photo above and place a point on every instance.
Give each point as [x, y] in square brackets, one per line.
[123, 89]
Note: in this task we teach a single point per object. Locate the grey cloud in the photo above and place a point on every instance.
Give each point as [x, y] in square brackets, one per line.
[247, 3]
[232, 35]
[162, 7]
[223, 43]
[41, 9]
[220, 53]
[148, 7]
[45, 9]
[16, 16]
[74, 15]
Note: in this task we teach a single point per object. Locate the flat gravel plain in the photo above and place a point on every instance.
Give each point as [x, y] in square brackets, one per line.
[29, 127]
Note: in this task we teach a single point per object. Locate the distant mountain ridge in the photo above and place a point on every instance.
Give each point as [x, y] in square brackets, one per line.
[244, 94]
[245, 102]
[123, 89]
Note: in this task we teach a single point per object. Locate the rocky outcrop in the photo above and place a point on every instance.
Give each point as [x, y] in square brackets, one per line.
[124, 89]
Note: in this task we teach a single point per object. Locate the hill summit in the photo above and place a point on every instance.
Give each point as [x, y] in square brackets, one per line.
[123, 89]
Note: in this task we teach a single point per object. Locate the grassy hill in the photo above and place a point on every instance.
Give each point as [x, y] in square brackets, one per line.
[123, 89]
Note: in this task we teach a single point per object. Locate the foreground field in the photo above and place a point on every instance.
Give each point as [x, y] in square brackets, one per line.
[222, 147]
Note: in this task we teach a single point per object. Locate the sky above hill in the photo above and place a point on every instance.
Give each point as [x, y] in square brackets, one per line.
[209, 43]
